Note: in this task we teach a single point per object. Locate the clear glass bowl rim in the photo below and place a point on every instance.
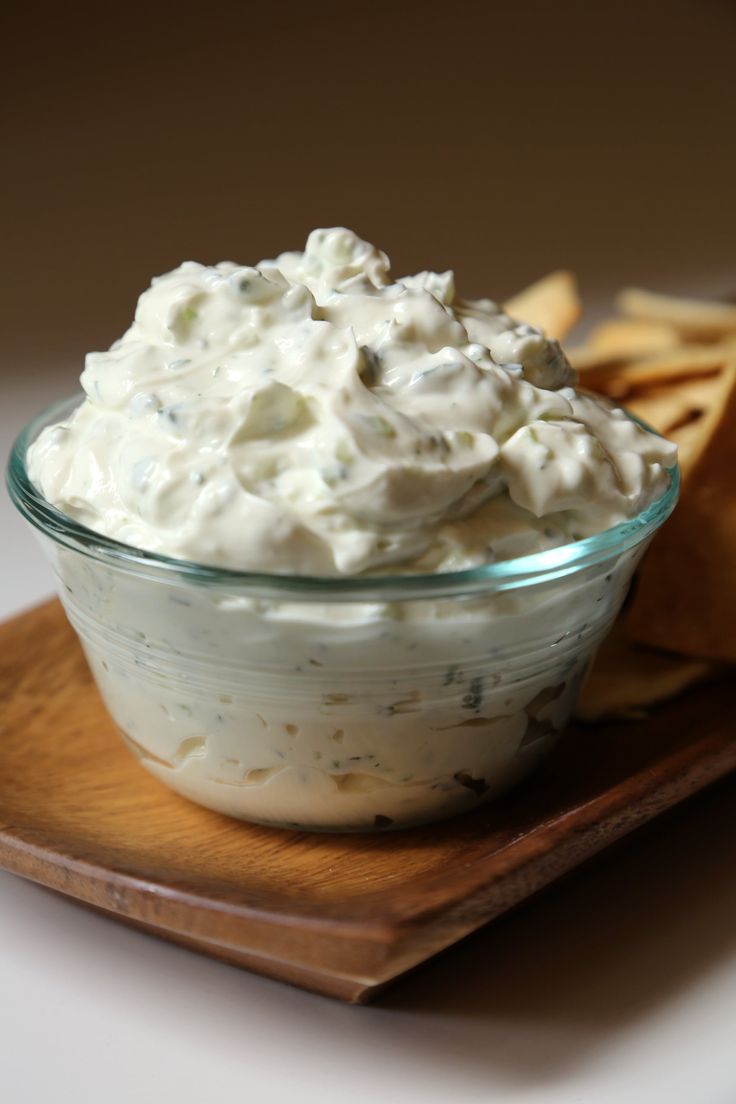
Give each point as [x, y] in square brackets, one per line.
[488, 579]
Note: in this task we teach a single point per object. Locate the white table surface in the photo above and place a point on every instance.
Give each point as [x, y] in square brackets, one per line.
[618, 985]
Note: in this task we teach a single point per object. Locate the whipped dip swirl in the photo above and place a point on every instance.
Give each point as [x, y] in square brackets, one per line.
[311, 415]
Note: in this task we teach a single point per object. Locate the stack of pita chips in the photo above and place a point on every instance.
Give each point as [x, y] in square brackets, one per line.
[672, 362]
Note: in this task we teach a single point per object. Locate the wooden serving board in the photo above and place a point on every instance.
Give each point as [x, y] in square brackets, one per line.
[340, 914]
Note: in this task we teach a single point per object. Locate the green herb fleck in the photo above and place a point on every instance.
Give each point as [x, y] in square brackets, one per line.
[378, 425]
[371, 371]
[474, 697]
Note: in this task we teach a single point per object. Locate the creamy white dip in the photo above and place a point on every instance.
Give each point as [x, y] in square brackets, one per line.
[310, 415]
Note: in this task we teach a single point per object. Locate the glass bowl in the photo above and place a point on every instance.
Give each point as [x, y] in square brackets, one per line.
[336, 704]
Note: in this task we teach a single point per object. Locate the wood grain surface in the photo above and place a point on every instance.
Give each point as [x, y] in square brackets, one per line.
[339, 914]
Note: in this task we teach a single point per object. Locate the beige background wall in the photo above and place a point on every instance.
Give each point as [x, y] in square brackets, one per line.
[597, 135]
[500, 140]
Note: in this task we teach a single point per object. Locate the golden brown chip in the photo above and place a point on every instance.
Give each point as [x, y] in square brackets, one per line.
[552, 304]
[693, 438]
[693, 318]
[678, 404]
[628, 338]
[583, 358]
[619, 380]
[685, 599]
[618, 340]
[627, 679]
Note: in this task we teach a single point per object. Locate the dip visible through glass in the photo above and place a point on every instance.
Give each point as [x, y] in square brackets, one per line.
[336, 704]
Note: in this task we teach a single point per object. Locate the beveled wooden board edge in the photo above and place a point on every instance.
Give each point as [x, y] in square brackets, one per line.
[543, 868]
[357, 962]
[127, 899]
[352, 990]
[351, 949]
[635, 799]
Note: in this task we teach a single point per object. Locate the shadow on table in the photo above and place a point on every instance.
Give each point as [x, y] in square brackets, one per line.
[546, 985]
[521, 1004]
